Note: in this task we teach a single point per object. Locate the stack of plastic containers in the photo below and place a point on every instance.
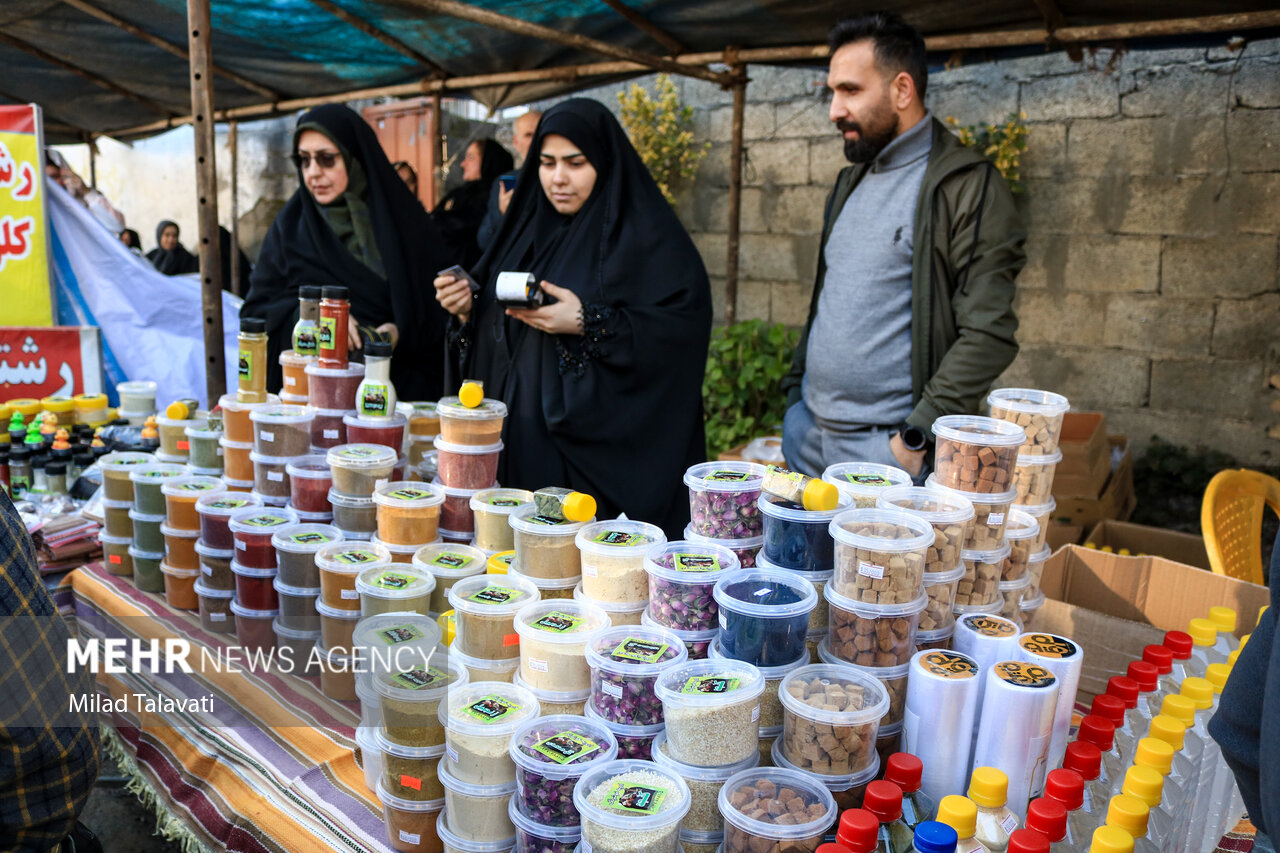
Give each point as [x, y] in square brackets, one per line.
[297, 585]
[546, 550]
[554, 638]
[180, 531]
[467, 451]
[281, 435]
[175, 446]
[724, 509]
[204, 448]
[485, 608]
[424, 426]
[491, 509]
[215, 548]
[144, 550]
[237, 441]
[613, 567]
[256, 603]
[137, 400]
[356, 471]
[682, 579]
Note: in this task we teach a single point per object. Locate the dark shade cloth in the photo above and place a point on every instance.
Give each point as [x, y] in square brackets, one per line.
[175, 261]
[1247, 722]
[224, 248]
[492, 215]
[459, 214]
[302, 248]
[616, 412]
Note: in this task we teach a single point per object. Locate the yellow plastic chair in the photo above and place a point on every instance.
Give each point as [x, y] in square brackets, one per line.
[1231, 521]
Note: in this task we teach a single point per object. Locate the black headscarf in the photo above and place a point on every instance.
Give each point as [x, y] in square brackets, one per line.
[175, 261]
[625, 427]
[302, 248]
[459, 213]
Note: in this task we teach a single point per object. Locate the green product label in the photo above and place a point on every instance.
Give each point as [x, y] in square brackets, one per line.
[246, 365]
[566, 747]
[264, 521]
[557, 622]
[399, 634]
[373, 399]
[408, 494]
[506, 559]
[494, 595]
[546, 519]
[867, 480]
[710, 684]
[328, 336]
[696, 563]
[644, 651]
[304, 339]
[638, 799]
[729, 476]
[393, 580]
[419, 679]
[309, 538]
[491, 709]
[451, 560]
[503, 502]
[227, 503]
[360, 451]
[355, 558]
[617, 537]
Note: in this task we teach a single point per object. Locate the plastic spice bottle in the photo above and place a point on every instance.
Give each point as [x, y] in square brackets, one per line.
[1110, 839]
[471, 393]
[376, 396]
[859, 832]
[332, 340]
[884, 801]
[253, 360]
[1048, 817]
[20, 473]
[1028, 841]
[907, 771]
[813, 495]
[989, 790]
[564, 504]
[961, 814]
[934, 837]
[306, 332]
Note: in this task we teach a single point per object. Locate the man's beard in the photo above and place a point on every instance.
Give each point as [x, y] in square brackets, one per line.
[872, 138]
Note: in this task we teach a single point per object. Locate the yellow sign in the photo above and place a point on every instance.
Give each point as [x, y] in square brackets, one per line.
[24, 254]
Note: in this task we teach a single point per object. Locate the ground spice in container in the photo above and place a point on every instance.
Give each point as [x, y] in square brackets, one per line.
[764, 614]
[723, 499]
[775, 810]
[551, 753]
[179, 587]
[448, 563]
[339, 564]
[147, 535]
[980, 584]
[950, 514]
[237, 463]
[548, 589]
[411, 772]
[553, 640]
[333, 388]
[874, 634]
[215, 608]
[619, 614]
[115, 553]
[631, 807]
[681, 578]
[463, 466]
[487, 670]
[424, 421]
[408, 513]
[337, 674]
[880, 555]
[116, 471]
[1038, 413]
[388, 431]
[309, 483]
[327, 429]
[770, 703]
[395, 589]
[215, 566]
[864, 482]
[712, 711]
[400, 554]
[180, 548]
[411, 826]
[797, 538]
[296, 546]
[254, 587]
[1020, 533]
[235, 417]
[180, 495]
[455, 512]
[612, 558]
[491, 509]
[976, 454]
[282, 430]
[746, 550]
[215, 511]
[831, 715]
[477, 813]
[356, 517]
[146, 569]
[115, 517]
[704, 787]
[410, 700]
[556, 702]
[625, 664]
[358, 469]
[545, 547]
[478, 426]
[479, 721]
[297, 606]
[253, 627]
[270, 476]
[485, 609]
[148, 499]
[252, 530]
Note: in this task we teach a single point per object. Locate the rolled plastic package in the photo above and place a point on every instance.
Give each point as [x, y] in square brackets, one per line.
[988, 638]
[942, 696]
[1065, 659]
[1019, 700]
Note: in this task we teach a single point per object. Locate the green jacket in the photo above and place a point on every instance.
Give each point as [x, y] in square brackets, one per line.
[962, 320]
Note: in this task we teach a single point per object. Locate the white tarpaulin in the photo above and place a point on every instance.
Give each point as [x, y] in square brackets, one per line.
[152, 324]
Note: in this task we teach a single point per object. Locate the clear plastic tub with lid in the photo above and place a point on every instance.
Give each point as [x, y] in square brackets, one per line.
[1011, 593]
[424, 421]
[180, 495]
[397, 643]
[770, 704]
[551, 754]
[1035, 571]
[940, 587]
[1038, 413]
[613, 559]
[339, 564]
[455, 512]
[271, 477]
[1033, 476]
[467, 466]
[771, 808]
[411, 772]
[549, 589]
[370, 757]
[991, 513]
[282, 430]
[682, 576]
[173, 434]
[215, 608]
[235, 417]
[146, 569]
[796, 538]
[492, 508]
[358, 469]
[545, 547]
[309, 483]
[411, 700]
[479, 720]
[475, 816]
[116, 470]
[327, 428]
[179, 587]
[333, 387]
[723, 499]
[411, 826]
[408, 513]
[535, 837]
[486, 670]
[939, 638]
[696, 643]
[880, 555]
[137, 395]
[293, 366]
[976, 454]
[448, 563]
[237, 463]
[254, 588]
[298, 647]
[712, 710]
[982, 570]
[254, 629]
[553, 640]
[627, 613]
[874, 635]
[892, 678]
[215, 565]
[115, 554]
[296, 546]
[764, 614]
[625, 663]
[864, 482]
[950, 514]
[1030, 607]
[478, 426]
[180, 547]
[630, 806]
[147, 480]
[252, 530]
[746, 550]
[553, 702]
[146, 531]
[395, 589]
[831, 716]
[297, 607]
[704, 787]
[485, 608]
[387, 431]
[205, 451]
[353, 514]
[1021, 532]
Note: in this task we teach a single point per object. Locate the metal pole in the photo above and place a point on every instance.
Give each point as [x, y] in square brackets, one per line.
[201, 53]
[735, 196]
[233, 149]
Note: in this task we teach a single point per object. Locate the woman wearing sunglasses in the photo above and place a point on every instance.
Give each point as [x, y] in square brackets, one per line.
[353, 223]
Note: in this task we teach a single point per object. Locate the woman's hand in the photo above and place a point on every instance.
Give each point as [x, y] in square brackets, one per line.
[454, 295]
[392, 331]
[353, 334]
[564, 317]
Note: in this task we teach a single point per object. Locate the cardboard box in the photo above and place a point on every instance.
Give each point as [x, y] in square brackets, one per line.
[1113, 606]
[1063, 534]
[1117, 500]
[1141, 540]
[1084, 467]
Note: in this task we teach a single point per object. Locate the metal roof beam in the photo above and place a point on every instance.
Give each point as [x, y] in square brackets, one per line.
[652, 30]
[386, 38]
[96, 79]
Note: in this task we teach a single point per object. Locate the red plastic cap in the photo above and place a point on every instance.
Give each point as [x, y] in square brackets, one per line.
[1109, 708]
[884, 800]
[1124, 689]
[859, 831]
[1066, 785]
[1145, 674]
[1048, 817]
[1027, 841]
[1084, 758]
[904, 770]
[1160, 657]
[831, 847]
[1097, 730]
[1179, 643]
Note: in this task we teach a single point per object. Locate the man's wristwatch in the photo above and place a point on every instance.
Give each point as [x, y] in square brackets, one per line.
[913, 438]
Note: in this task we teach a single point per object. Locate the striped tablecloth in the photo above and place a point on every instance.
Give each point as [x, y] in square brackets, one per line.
[234, 784]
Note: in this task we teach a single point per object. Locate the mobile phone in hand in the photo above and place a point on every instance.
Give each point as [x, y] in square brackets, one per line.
[459, 273]
[508, 182]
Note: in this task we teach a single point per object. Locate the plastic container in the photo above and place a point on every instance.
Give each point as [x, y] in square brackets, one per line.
[550, 589]
[173, 434]
[475, 816]
[411, 699]
[873, 635]
[1033, 476]
[115, 517]
[982, 569]
[294, 367]
[1035, 570]
[412, 772]
[681, 577]
[237, 462]
[180, 495]
[613, 559]
[339, 564]
[353, 514]
[625, 663]
[115, 554]
[179, 587]
[180, 548]
[1011, 593]
[395, 589]
[1021, 533]
[333, 387]
[696, 643]
[90, 408]
[388, 431]
[1030, 606]
[337, 626]
[411, 824]
[976, 454]
[711, 710]
[764, 615]
[254, 629]
[147, 535]
[950, 514]
[723, 499]
[831, 716]
[327, 428]
[282, 430]
[116, 470]
[880, 555]
[479, 721]
[1038, 413]
[398, 643]
[619, 614]
[796, 538]
[137, 395]
[254, 587]
[990, 516]
[455, 537]
[215, 608]
[465, 466]
[545, 547]
[424, 421]
[146, 569]
[358, 469]
[408, 513]
[309, 483]
[553, 640]
[297, 648]
[630, 806]
[252, 530]
[402, 554]
[940, 587]
[478, 427]
[535, 837]
[492, 509]
[485, 609]
[865, 482]
[448, 563]
[296, 546]
[205, 451]
[487, 670]
[455, 512]
[551, 754]
[892, 678]
[937, 639]
[1042, 514]
[745, 550]
[704, 818]
[297, 607]
[370, 756]
[148, 499]
[553, 702]
[271, 477]
[215, 566]
[235, 418]
[770, 705]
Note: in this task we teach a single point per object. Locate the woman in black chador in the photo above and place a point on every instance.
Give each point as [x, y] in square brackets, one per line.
[458, 215]
[353, 223]
[604, 385]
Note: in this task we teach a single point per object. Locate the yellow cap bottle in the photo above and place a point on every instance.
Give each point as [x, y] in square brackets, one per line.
[988, 787]
[1203, 632]
[579, 506]
[1198, 690]
[820, 496]
[448, 624]
[1180, 707]
[471, 394]
[1128, 813]
[1168, 729]
[1217, 675]
[182, 410]
[1145, 783]
[1224, 618]
[959, 813]
[1154, 753]
[1111, 839]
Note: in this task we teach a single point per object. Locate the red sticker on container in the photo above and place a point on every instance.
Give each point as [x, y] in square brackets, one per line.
[114, 559]
[184, 445]
[511, 640]
[411, 782]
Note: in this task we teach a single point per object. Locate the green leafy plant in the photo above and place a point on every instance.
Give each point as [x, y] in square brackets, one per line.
[661, 129]
[1170, 481]
[1002, 144]
[741, 394]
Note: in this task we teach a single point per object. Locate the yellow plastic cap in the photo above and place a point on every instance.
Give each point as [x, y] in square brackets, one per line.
[1198, 690]
[58, 405]
[470, 395]
[448, 624]
[1203, 632]
[989, 787]
[29, 406]
[1128, 813]
[500, 562]
[90, 402]
[959, 813]
[578, 506]
[1145, 783]
[1217, 674]
[1111, 839]
[1154, 753]
[1180, 708]
[820, 496]
[1168, 729]
[1224, 618]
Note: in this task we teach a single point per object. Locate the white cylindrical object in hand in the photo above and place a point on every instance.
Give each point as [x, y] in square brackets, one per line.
[942, 696]
[1065, 659]
[988, 638]
[1019, 700]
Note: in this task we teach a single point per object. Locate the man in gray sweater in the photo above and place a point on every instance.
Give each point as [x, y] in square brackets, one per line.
[911, 316]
